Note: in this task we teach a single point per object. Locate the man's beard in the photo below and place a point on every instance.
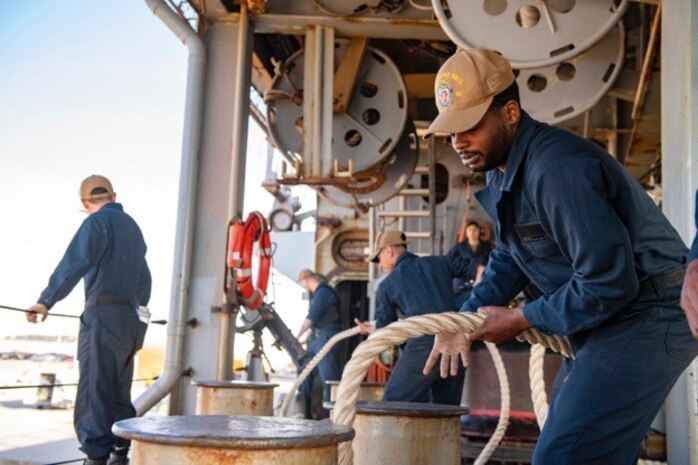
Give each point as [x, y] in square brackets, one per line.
[497, 153]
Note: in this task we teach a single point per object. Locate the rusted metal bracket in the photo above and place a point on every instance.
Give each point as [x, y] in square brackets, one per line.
[225, 308]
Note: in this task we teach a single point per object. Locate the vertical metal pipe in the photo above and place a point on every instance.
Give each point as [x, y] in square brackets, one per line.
[680, 179]
[224, 368]
[242, 96]
[223, 361]
[370, 289]
[309, 69]
[184, 229]
[613, 136]
[402, 206]
[432, 193]
[316, 95]
[326, 108]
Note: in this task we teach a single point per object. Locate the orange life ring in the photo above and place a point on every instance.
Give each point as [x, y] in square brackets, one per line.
[241, 239]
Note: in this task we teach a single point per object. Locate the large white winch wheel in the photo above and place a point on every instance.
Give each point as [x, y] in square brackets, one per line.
[557, 93]
[370, 128]
[531, 34]
[382, 181]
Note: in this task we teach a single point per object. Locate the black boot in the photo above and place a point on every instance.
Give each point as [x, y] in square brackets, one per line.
[100, 461]
[118, 457]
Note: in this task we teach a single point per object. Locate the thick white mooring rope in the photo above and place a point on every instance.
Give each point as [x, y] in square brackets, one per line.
[333, 341]
[504, 409]
[539, 398]
[450, 322]
[399, 332]
[505, 392]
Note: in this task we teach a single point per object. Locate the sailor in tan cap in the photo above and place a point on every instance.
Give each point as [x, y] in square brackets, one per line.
[416, 286]
[108, 251]
[574, 222]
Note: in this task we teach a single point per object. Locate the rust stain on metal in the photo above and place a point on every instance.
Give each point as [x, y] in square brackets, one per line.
[393, 21]
[235, 400]
[157, 454]
[387, 440]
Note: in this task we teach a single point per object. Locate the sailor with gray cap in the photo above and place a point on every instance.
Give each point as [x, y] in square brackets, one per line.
[108, 251]
[415, 286]
[574, 222]
[323, 320]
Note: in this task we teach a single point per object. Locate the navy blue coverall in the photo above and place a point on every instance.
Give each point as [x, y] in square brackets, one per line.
[419, 286]
[572, 220]
[324, 313]
[462, 285]
[109, 252]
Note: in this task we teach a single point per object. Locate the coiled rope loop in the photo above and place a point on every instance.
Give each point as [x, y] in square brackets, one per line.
[397, 333]
[334, 340]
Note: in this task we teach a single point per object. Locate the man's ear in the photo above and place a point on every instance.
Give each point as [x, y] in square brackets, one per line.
[512, 112]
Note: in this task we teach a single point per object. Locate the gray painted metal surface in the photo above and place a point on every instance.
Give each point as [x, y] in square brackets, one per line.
[560, 92]
[392, 175]
[220, 195]
[298, 252]
[379, 91]
[184, 229]
[530, 35]
[679, 53]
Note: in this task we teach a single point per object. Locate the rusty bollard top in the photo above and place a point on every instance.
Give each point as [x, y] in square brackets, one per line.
[233, 432]
[407, 409]
[236, 384]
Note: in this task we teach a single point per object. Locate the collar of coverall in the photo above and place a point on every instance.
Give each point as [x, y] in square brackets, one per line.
[518, 150]
[403, 256]
[115, 205]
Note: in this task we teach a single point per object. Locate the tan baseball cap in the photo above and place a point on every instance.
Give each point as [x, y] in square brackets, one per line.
[465, 86]
[387, 239]
[305, 274]
[90, 183]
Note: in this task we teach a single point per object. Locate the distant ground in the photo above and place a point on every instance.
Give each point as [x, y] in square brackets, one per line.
[38, 436]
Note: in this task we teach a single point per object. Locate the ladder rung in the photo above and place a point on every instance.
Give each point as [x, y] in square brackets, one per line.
[421, 170]
[415, 192]
[404, 214]
[418, 234]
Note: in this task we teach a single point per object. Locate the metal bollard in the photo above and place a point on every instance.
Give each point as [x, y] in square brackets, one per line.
[405, 433]
[228, 440]
[369, 392]
[235, 398]
[44, 395]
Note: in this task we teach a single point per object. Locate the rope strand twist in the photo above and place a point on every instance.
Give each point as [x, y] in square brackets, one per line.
[397, 333]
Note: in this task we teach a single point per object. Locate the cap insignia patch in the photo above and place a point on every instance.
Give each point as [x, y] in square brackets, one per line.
[445, 93]
[493, 81]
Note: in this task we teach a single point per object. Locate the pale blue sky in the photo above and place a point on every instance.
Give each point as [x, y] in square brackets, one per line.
[89, 86]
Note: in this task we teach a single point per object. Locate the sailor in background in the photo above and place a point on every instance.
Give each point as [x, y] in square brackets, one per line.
[323, 321]
[416, 286]
[109, 252]
[573, 221]
[473, 248]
